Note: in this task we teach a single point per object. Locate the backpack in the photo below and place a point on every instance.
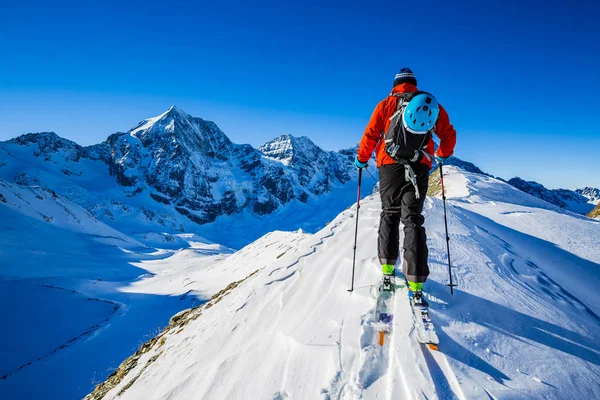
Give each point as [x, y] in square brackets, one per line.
[400, 144]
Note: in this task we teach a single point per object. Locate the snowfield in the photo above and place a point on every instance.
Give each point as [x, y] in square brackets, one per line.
[79, 296]
[523, 322]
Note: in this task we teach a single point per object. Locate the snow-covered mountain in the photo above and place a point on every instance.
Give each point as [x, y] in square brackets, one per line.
[568, 199]
[592, 194]
[175, 171]
[316, 169]
[462, 164]
[120, 236]
[580, 201]
[523, 323]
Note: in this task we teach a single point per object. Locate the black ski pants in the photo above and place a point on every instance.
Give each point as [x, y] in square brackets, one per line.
[399, 204]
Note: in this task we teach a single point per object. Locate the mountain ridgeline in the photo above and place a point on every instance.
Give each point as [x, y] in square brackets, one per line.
[190, 163]
[183, 163]
[174, 171]
[580, 201]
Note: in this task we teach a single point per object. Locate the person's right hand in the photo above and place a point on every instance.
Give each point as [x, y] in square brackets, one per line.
[359, 164]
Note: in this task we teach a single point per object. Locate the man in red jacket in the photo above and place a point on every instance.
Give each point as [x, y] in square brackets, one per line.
[398, 183]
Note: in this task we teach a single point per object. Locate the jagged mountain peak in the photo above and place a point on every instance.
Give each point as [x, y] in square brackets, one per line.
[288, 148]
[175, 108]
[49, 144]
[291, 140]
[38, 137]
[172, 114]
[176, 128]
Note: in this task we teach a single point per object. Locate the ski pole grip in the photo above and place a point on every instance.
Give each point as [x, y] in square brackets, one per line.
[359, 176]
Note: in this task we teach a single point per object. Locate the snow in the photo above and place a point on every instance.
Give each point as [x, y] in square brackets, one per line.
[148, 123]
[523, 321]
[175, 172]
[79, 296]
[592, 194]
[31, 315]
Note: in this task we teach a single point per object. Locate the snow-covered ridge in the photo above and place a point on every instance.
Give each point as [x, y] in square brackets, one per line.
[572, 200]
[45, 205]
[173, 172]
[523, 322]
[580, 201]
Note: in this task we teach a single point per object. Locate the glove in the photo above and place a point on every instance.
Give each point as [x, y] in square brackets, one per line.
[441, 160]
[358, 163]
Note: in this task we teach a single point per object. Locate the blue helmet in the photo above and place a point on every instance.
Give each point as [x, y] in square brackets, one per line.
[421, 113]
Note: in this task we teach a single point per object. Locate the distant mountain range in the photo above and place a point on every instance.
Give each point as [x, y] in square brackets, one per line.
[580, 201]
[174, 171]
[572, 200]
[592, 194]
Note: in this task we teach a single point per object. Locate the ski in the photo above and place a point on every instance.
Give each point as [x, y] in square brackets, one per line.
[384, 311]
[424, 328]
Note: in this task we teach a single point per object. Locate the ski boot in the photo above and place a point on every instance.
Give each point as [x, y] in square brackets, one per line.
[386, 283]
[417, 298]
[415, 294]
[388, 273]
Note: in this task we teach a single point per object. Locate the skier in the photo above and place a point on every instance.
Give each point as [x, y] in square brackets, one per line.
[404, 173]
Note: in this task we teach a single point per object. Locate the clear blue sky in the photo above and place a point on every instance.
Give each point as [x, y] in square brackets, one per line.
[518, 78]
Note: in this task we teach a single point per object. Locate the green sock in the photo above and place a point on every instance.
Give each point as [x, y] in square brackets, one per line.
[387, 269]
[416, 286]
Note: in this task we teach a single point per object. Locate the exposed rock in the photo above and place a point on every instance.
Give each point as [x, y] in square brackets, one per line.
[595, 213]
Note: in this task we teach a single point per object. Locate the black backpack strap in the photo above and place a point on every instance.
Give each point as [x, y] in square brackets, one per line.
[403, 99]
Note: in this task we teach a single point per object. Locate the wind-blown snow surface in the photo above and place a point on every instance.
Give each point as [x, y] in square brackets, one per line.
[523, 322]
[78, 296]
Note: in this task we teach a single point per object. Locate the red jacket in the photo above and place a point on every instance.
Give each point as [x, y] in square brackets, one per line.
[380, 120]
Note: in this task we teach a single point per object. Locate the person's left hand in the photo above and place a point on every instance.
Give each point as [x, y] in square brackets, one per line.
[441, 160]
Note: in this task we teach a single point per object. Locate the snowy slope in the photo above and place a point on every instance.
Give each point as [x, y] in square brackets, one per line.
[44, 234]
[523, 323]
[77, 295]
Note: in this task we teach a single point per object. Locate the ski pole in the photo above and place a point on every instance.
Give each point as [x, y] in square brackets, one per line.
[446, 225]
[356, 229]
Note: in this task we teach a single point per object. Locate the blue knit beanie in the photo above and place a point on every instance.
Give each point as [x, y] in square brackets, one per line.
[405, 76]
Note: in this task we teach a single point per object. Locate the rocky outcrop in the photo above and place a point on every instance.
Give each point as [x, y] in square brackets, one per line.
[595, 213]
